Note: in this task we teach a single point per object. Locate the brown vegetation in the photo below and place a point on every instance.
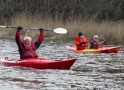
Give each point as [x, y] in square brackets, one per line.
[110, 31]
[65, 9]
[102, 17]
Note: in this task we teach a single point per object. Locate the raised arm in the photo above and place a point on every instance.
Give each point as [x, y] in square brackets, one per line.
[17, 37]
[40, 39]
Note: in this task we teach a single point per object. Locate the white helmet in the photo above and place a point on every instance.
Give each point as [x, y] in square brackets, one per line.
[27, 38]
[95, 36]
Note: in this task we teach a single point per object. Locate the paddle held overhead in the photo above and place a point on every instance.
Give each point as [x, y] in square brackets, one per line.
[57, 30]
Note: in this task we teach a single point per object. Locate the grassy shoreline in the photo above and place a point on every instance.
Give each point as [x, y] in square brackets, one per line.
[110, 31]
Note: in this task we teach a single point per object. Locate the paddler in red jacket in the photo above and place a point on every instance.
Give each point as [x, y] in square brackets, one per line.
[81, 42]
[27, 48]
[95, 43]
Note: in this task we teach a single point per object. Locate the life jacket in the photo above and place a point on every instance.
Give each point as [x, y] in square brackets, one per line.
[23, 48]
[79, 40]
[96, 44]
[29, 51]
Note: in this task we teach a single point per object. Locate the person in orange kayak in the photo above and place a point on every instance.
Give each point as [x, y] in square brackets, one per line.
[27, 48]
[81, 41]
[95, 43]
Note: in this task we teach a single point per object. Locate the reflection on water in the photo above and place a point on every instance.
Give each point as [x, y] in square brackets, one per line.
[90, 71]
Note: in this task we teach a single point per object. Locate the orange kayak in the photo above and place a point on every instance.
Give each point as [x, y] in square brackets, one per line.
[113, 49]
[40, 63]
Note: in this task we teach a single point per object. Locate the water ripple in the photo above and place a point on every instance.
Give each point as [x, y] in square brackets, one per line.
[89, 72]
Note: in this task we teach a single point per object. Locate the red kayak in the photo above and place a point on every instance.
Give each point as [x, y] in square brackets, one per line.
[40, 63]
[113, 49]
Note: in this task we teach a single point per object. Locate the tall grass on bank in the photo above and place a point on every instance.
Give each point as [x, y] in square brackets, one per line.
[110, 31]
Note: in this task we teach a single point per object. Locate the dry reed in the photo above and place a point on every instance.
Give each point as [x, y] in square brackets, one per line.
[110, 31]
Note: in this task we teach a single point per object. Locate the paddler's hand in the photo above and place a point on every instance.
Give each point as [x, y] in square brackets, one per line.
[41, 30]
[19, 28]
[104, 43]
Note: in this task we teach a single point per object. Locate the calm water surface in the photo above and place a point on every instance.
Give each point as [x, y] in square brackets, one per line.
[90, 71]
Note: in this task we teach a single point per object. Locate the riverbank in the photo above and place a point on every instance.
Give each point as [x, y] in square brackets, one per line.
[110, 31]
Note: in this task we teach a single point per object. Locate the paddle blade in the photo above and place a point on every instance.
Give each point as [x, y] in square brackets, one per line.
[2, 26]
[60, 30]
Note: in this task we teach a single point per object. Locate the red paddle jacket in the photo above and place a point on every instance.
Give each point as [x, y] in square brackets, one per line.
[26, 51]
[95, 44]
[81, 42]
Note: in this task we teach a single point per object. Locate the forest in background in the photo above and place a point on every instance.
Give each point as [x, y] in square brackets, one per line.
[65, 9]
[102, 17]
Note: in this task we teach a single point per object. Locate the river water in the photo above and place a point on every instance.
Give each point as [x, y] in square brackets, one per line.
[89, 72]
